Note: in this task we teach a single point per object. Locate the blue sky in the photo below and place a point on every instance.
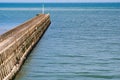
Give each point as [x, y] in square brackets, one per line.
[60, 0]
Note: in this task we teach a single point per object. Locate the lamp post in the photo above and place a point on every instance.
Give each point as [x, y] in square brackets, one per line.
[43, 10]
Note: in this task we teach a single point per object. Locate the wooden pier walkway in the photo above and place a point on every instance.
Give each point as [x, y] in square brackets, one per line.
[18, 42]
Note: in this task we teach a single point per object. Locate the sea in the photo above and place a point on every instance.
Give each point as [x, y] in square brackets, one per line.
[82, 42]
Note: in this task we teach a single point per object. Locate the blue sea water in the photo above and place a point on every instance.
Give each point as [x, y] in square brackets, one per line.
[80, 44]
[83, 5]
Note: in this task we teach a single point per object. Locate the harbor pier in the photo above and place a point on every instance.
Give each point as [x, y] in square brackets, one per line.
[17, 43]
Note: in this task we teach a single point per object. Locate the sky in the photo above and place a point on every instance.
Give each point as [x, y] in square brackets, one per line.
[60, 0]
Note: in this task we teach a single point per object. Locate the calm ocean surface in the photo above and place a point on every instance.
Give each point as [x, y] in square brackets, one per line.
[82, 43]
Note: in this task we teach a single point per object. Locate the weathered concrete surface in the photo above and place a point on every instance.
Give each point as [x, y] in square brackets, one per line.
[17, 43]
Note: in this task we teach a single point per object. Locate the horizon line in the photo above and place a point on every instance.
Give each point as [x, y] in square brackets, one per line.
[60, 2]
